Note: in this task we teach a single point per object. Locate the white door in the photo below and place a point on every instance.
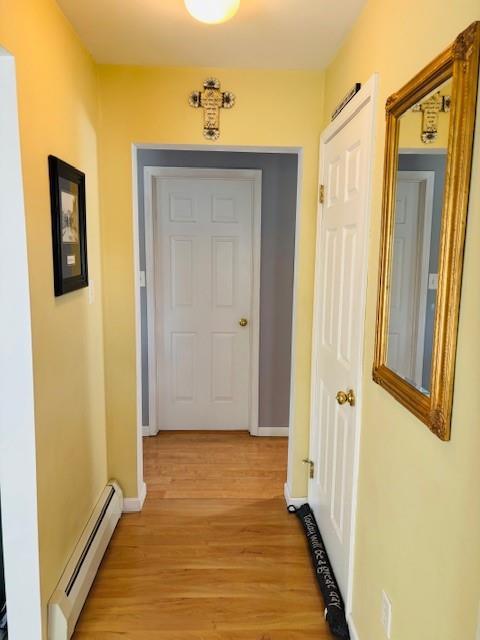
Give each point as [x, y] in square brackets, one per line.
[411, 256]
[338, 328]
[204, 224]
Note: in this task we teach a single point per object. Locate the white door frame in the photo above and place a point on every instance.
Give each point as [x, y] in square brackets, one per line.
[428, 177]
[366, 98]
[18, 474]
[154, 363]
[298, 151]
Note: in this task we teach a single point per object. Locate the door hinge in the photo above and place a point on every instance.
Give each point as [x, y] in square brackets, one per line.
[311, 466]
[321, 193]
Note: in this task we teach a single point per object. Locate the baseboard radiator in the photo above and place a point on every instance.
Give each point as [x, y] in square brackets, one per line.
[66, 603]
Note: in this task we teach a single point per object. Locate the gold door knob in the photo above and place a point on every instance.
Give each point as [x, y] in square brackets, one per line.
[344, 397]
[243, 322]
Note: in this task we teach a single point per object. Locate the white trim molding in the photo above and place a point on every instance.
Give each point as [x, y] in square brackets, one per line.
[150, 293]
[18, 474]
[213, 430]
[352, 628]
[294, 502]
[133, 505]
[278, 432]
[292, 444]
[141, 488]
[136, 147]
[154, 366]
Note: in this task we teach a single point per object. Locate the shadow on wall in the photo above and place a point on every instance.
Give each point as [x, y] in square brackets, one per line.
[279, 202]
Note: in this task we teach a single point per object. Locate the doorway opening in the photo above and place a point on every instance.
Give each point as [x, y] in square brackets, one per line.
[179, 182]
[202, 240]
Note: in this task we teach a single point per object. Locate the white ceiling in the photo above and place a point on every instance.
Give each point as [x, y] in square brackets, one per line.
[268, 34]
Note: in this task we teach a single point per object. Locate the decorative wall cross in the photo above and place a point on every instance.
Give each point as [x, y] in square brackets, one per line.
[430, 109]
[211, 100]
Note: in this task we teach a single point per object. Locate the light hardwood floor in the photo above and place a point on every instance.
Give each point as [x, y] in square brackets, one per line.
[214, 555]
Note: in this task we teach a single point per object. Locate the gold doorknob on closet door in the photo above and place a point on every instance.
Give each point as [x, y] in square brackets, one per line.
[344, 397]
[243, 322]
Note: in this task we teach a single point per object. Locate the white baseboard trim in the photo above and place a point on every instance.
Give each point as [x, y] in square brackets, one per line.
[353, 630]
[281, 432]
[296, 502]
[149, 431]
[132, 505]
[195, 428]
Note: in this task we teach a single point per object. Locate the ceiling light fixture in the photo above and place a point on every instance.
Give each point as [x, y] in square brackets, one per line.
[212, 11]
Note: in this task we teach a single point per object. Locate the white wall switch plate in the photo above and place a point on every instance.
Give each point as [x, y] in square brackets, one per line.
[142, 279]
[433, 281]
[386, 615]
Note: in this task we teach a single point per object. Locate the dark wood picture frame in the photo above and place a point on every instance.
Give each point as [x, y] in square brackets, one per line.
[69, 226]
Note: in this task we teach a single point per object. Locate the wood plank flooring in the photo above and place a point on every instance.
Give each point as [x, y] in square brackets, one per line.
[214, 555]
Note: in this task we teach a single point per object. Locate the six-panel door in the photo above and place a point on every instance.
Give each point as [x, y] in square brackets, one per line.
[204, 274]
[337, 339]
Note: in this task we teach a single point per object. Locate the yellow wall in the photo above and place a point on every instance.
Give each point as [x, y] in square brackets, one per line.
[419, 513]
[149, 105]
[57, 90]
[419, 509]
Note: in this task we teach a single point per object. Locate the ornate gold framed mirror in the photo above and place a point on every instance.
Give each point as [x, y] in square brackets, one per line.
[428, 159]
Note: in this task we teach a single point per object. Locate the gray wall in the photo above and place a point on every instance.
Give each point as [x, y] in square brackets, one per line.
[437, 163]
[279, 198]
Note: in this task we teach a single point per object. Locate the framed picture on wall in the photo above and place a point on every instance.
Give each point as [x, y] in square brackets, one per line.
[69, 229]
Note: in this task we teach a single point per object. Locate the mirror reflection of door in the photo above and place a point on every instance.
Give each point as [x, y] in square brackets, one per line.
[411, 257]
[416, 238]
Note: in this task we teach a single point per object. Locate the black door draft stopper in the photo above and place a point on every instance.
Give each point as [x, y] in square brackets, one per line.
[334, 605]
